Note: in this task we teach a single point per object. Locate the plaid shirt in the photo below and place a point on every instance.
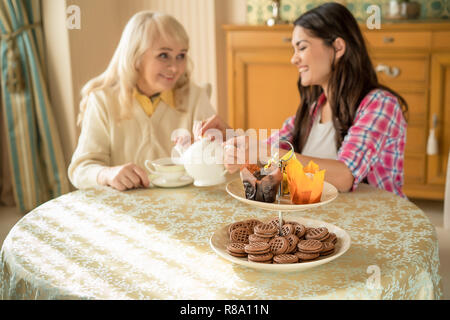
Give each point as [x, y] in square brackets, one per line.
[374, 145]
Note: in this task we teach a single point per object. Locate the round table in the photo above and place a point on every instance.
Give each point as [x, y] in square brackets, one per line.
[154, 244]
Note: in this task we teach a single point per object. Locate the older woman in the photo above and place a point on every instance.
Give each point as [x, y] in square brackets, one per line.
[129, 112]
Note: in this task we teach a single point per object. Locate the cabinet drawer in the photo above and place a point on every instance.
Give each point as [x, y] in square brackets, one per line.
[400, 40]
[441, 40]
[395, 69]
[258, 39]
[414, 169]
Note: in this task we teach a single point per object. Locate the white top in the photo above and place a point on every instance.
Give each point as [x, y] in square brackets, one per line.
[105, 142]
[321, 141]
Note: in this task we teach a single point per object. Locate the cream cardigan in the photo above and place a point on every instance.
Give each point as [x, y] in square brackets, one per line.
[106, 142]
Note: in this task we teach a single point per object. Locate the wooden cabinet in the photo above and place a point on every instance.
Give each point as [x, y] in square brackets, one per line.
[440, 107]
[262, 83]
[412, 59]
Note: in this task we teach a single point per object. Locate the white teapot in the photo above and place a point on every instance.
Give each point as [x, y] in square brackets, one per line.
[203, 161]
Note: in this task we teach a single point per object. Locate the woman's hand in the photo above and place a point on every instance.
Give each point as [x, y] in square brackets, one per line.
[214, 122]
[236, 151]
[124, 177]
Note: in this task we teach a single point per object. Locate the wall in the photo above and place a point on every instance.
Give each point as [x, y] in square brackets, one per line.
[75, 56]
[258, 11]
[59, 72]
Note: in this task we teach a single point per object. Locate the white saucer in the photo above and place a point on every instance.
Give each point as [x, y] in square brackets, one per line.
[183, 181]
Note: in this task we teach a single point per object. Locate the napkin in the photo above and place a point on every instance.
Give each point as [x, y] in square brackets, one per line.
[305, 183]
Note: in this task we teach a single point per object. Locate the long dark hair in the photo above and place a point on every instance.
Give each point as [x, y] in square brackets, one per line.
[352, 77]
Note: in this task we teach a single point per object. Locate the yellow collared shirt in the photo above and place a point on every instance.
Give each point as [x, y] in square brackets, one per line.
[149, 106]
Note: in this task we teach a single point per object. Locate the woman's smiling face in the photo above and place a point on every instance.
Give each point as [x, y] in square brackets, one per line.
[161, 66]
[312, 58]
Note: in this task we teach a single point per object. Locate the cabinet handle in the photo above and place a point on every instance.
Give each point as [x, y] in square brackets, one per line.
[390, 72]
[388, 39]
[435, 120]
[287, 39]
[432, 143]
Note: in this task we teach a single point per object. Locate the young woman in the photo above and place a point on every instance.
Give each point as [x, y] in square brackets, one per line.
[347, 122]
[130, 112]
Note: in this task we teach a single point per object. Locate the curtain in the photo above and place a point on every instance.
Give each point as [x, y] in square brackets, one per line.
[36, 161]
[6, 193]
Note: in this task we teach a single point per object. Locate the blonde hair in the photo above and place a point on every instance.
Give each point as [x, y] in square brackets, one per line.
[141, 31]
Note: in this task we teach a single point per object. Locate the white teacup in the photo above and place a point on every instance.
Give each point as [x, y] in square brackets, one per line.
[165, 168]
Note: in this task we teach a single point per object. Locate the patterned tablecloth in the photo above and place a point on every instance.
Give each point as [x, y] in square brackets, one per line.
[154, 244]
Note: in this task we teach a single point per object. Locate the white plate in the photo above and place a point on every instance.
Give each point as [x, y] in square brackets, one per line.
[236, 189]
[161, 182]
[220, 239]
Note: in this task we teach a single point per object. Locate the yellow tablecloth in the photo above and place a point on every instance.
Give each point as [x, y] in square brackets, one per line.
[154, 244]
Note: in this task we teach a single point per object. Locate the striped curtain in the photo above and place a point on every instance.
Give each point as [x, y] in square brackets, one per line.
[35, 156]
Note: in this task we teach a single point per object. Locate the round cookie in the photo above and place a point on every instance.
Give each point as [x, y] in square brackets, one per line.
[265, 230]
[235, 225]
[236, 249]
[257, 248]
[285, 258]
[251, 224]
[332, 238]
[240, 235]
[287, 230]
[306, 256]
[255, 238]
[325, 238]
[316, 233]
[293, 241]
[300, 230]
[264, 258]
[309, 246]
[328, 248]
[275, 222]
[294, 223]
[279, 245]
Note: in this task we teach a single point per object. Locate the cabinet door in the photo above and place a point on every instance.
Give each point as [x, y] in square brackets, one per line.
[440, 106]
[265, 89]
[407, 74]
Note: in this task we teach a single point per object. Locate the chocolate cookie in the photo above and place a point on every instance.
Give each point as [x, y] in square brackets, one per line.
[263, 258]
[287, 230]
[240, 235]
[309, 246]
[294, 223]
[332, 238]
[235, 225]
[255, 238]
[236, 249]
[265, 230]
[251, 224]
[275, 222]
[328, 248]
[306, 256]
[316, 233]
[300, 230]
[325, 238]
[279, 245]
[293, 241]
[285, 258]
[257, 248]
